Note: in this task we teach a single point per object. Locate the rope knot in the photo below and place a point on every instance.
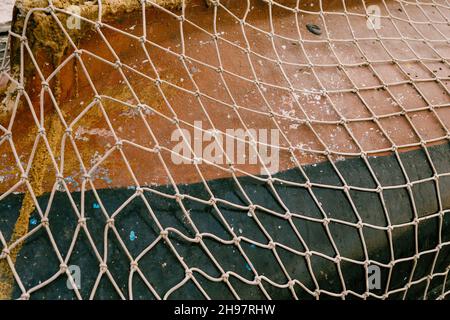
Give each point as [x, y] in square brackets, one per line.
[25, 296]
[63, 267]
[134, 265]
[103, 267]
[110, 222]
[82, 222]
[164, 234]
[44, 221]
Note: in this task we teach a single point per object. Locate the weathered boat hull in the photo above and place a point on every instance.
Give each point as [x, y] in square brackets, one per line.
[355, 173]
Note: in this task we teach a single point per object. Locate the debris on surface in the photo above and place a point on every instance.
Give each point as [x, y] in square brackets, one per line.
[313, 28]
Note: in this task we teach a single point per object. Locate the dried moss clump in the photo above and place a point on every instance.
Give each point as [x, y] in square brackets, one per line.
[44, 32]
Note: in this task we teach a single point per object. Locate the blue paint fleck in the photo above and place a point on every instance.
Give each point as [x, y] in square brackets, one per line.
[33, 221]
[133, 236]
[107, 179]
[96, 205]
[252, 246]
[248, 267]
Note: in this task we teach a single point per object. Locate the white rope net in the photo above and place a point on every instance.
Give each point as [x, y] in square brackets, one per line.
[267, 246]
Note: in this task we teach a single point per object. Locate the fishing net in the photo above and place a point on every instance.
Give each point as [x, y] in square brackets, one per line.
[99, 201]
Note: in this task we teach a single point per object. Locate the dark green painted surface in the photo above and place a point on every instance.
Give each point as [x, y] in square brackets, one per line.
[37, 260]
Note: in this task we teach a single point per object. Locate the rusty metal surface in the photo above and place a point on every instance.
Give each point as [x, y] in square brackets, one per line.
[374, 96]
